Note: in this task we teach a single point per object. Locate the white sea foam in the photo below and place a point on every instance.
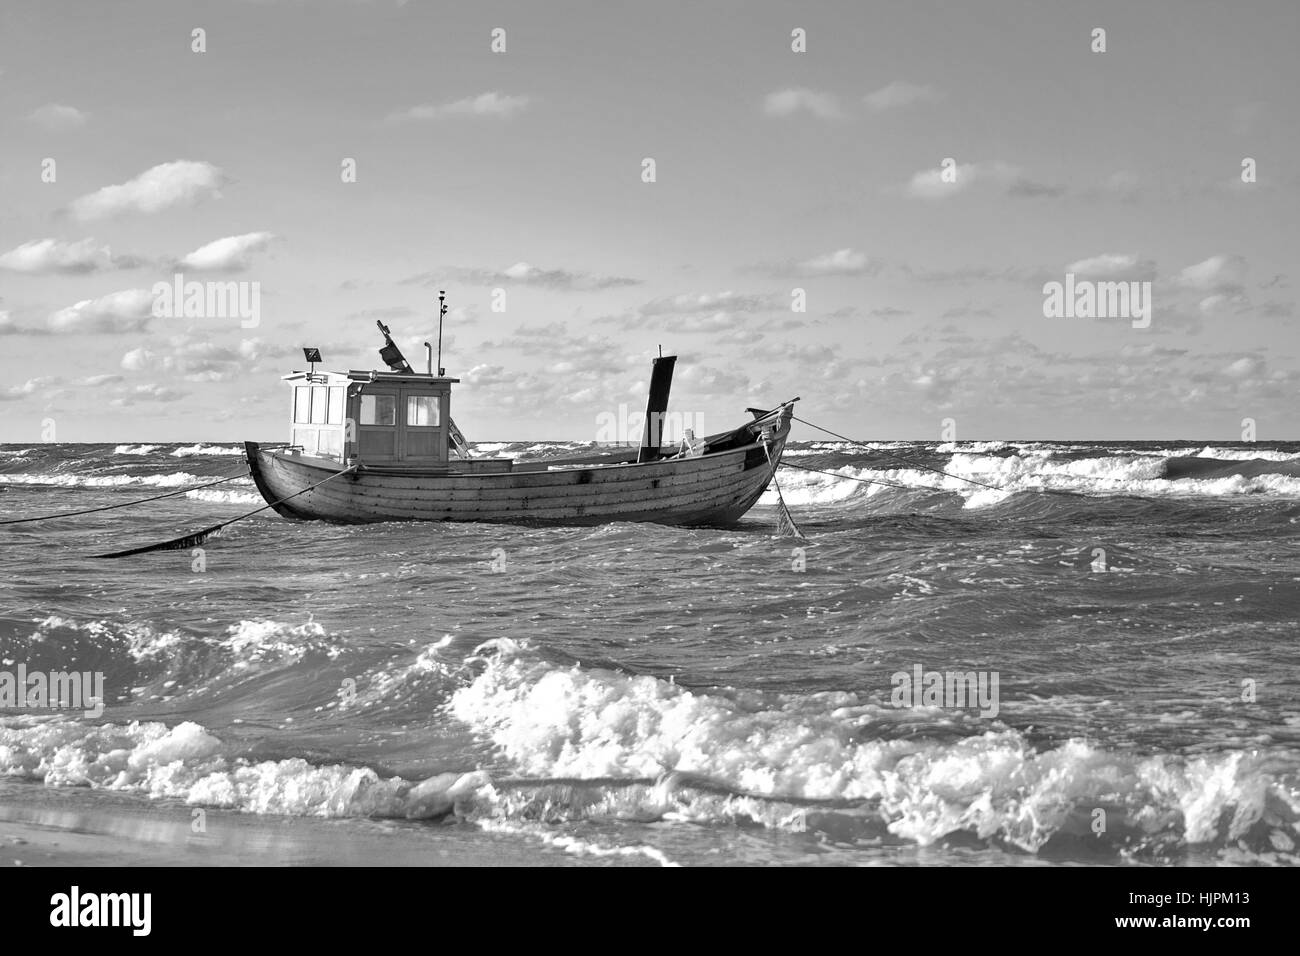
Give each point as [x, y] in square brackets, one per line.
[1030, 471]
[254, 642]
[226, 497]
[141, 641]
[777, 759]
[569, 722]
[134, 449]
[188, 763]
[174, 480]
[188, 451]
[971, 447]
[1245, 454]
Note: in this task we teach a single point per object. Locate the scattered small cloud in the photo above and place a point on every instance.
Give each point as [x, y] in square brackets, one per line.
[388, 312]
[50, 256]
[1250, 366]
[788, 102]
[485, 104]
[149, 392]
[29, 387]
[57, 118]
[113, 314]
[230, 254]
[1123, 185]
[179, 183]
[521, 273]
[712, 302]
[840, 262]
[1113, 266]
[900, 93]
[1224, 274]
[967, 311]
[936, 183]
[95, 381]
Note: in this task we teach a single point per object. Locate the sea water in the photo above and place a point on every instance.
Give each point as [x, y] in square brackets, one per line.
[641, 694]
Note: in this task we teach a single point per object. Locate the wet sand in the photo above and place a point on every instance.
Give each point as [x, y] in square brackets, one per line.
[43, 826]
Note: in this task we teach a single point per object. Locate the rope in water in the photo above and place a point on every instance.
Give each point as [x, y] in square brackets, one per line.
[124, 504]
[194, 539]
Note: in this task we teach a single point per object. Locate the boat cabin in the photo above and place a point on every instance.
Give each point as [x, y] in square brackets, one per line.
[384, 418]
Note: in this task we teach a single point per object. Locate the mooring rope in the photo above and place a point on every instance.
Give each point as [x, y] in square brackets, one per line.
[906, 461]
[124, 504]
[785, 521]
[196, 538]
[868, 481]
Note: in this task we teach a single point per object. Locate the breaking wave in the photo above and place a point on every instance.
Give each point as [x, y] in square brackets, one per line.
[594, 743]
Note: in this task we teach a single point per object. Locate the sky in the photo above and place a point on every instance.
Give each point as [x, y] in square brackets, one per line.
[798, 231]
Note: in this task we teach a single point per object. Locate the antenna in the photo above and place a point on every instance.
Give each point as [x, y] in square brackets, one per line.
[442, 310]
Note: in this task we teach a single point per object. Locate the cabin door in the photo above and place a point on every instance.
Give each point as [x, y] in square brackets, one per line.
[421, 431]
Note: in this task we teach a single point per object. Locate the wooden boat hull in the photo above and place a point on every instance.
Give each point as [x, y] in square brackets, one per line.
[716, 488]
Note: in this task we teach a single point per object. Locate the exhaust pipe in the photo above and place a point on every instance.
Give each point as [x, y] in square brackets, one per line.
[661, 381]
[428, 354]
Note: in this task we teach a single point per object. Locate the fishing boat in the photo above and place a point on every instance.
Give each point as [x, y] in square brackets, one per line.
[371, 446]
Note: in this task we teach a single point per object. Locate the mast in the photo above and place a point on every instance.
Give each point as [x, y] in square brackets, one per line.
[442, 310]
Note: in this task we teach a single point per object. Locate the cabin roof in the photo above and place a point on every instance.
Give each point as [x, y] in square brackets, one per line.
[414, 377]
[356, 375]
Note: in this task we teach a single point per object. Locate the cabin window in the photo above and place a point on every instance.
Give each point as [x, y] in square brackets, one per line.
[302, 404]
[337, 395]
[319, 404]
[422, 410]
[378, 410]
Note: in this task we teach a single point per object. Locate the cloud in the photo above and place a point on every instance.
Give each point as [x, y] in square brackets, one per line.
[899, 94]
[9, 327]
[789, 102]
[713, 322]
[841, 262]
[485, 104]
[710, 302]
[967, 311]
[963, 275]
[149, 392]
[486, 375]
[57, 117]
[521, 273]
[201, 360]
[46, 256]
[113, 314]
[1113, 266]
[1123, 185]
[705, 380]
[888, 312]
[137, 360]
[1248, 367]
[1023, 188]
[388, 312]
[995, 175]
[94, 381]
[180, 183]
[1224, 274]
[227, 255]
[31, 386]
